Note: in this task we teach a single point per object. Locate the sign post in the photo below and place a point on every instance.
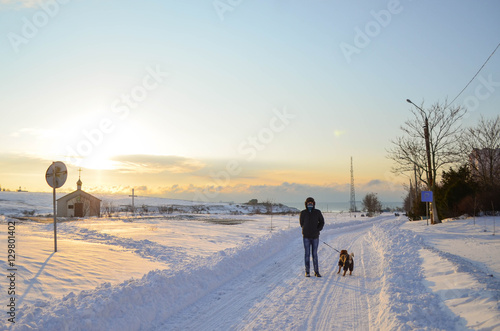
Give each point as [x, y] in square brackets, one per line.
[426, 197]
[56, 177]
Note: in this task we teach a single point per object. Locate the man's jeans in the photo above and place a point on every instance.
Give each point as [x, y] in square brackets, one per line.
[308, 243]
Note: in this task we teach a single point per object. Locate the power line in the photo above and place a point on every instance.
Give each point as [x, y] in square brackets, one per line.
[475, 75]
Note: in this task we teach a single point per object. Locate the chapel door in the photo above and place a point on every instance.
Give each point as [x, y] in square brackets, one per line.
[79, 209]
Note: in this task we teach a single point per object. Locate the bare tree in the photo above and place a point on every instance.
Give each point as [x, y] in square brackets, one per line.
[409, 152]
[108, 208]
[268, 204]
[481, 147]
[371, 204]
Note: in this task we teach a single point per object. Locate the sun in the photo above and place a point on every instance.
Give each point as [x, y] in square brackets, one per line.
[94, 162]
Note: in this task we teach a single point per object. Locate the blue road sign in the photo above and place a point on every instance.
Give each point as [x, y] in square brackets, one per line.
[426, 196]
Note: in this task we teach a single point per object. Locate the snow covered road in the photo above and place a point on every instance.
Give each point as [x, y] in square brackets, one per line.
[274, 294]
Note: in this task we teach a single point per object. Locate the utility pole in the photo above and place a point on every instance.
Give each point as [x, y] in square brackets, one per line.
[410, 196]
[133, 196]
[429, 164]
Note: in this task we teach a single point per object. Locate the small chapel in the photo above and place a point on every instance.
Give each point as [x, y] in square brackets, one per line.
[78, 204]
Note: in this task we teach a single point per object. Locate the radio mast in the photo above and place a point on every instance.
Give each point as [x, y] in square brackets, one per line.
[353, 194]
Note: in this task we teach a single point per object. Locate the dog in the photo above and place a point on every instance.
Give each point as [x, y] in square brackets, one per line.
[346, 260]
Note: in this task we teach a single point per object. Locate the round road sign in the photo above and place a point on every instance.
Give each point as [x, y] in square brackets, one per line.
[56, 174]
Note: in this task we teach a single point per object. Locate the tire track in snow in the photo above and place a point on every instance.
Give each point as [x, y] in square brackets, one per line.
[343, 302]
[309, 298]
[372, 272]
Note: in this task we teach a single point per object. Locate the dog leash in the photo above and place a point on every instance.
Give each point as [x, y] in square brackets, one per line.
[330, 246]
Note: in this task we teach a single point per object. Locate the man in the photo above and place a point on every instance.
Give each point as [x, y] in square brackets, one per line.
[311, 222]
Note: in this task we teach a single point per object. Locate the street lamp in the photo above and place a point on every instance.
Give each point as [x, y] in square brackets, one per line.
[428, 150]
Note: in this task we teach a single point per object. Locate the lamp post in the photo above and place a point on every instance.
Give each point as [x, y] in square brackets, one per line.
[428, 151]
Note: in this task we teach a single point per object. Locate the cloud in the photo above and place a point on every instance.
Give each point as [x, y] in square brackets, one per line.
[23, 164]
[157, 164]
[23, 170]
[178, 177]
[37, 133]
[374, 182]
[284, 192]
[280, 193]
[375, 185]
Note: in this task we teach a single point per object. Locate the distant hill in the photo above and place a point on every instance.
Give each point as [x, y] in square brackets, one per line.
[37, 203]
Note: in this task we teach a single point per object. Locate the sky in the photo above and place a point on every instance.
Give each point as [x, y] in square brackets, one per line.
[229, 100]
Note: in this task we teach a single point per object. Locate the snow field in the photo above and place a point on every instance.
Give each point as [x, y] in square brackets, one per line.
[191, 272]
[155, 296]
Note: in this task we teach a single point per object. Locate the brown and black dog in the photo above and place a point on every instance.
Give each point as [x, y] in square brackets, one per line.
[347, 261]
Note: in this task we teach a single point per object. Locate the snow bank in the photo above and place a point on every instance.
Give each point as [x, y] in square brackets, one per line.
[405, 303]
[156, 296]
[468, 292]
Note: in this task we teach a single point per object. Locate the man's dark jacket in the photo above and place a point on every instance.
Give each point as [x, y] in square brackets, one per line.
[312, 223]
